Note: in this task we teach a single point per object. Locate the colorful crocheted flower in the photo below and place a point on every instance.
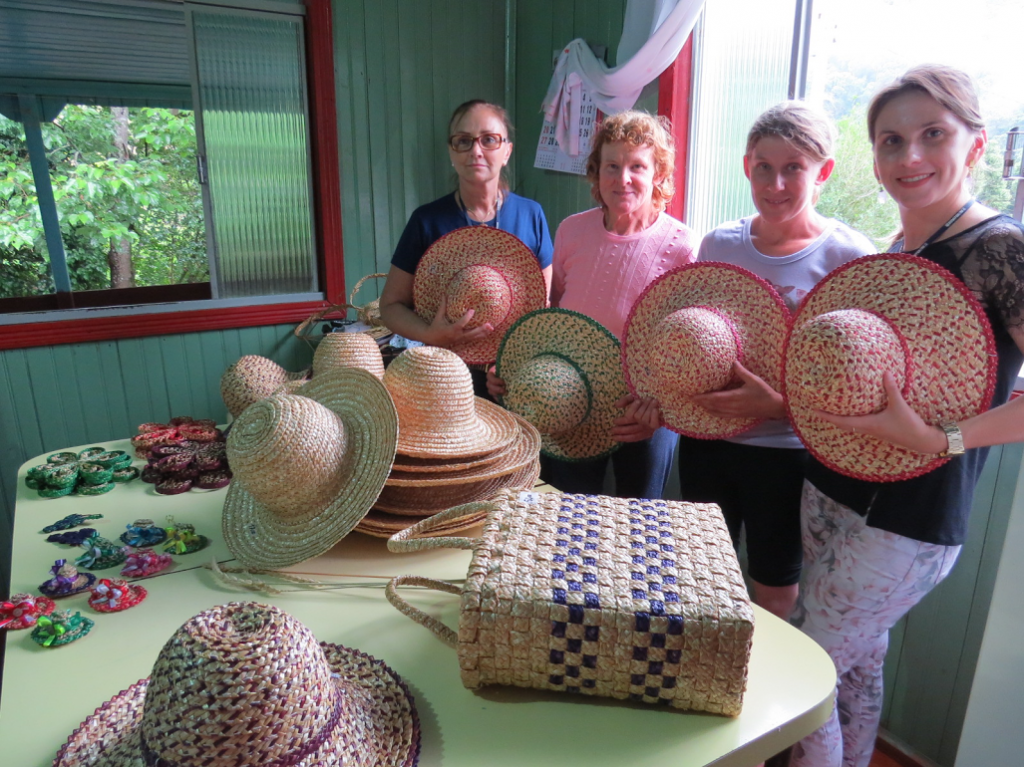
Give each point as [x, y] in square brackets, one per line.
[91, 472]
[110, 596]
[23, 610]
[66, 580]
[72, 537]
[143, 532]
[100, 553]
[71, 520]
[177, 468]
[182, 538]
[143, 562]
[180, 429]
[60, 628]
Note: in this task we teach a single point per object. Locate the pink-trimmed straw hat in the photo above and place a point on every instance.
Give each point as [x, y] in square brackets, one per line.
[484, 269]
[687, 329]
[896, 313]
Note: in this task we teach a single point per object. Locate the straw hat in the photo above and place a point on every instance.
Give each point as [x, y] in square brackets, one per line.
[892, 312]
[59, 628]
[111, 596]
[484, 269]
[66, 581]
[23, 610]
[246, 685]
[405, 464]
[253, 378]
[100, 553]
[348, 350]
[687, 329]
[422, 500]
[438, 415]
[563, 373]
[381, 524]
[307, 466]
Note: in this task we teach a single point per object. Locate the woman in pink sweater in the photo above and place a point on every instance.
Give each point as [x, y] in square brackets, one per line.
[603, 260]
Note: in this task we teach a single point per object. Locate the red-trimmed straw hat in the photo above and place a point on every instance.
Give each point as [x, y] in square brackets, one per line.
[563, 373]
[247, 685]
[253, 378]
[307, 467]
[115, 595]
[484, 269]
[892, 312]
[23, 610]
[438, 415]
[687, 329]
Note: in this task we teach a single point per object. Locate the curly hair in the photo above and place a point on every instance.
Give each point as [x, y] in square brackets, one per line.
[637, 128]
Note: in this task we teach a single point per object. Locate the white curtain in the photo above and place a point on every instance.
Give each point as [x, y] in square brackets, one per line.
[653, 33]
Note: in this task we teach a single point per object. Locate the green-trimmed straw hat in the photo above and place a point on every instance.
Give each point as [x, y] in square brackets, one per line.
[563, 374]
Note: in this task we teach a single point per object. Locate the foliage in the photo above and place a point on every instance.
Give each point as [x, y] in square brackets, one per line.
[145, 192]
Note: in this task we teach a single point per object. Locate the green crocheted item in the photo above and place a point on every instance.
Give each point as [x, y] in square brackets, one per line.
[60, 628]
[93, 471]
[100, 553]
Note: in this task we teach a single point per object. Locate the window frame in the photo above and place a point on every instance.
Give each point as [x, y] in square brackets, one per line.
[161, 319]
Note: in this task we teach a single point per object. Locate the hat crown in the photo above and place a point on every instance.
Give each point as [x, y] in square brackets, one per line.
[251, 379]
[240, 684]
[551, 392]
[348, 350]
[426, 382]
[287, 451]
[482, 289]
[694, 349]
[839, 358]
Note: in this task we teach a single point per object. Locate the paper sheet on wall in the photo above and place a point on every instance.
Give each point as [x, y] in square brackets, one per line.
[582, 119]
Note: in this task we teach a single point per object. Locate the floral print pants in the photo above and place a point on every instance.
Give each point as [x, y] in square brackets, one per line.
[857, 582]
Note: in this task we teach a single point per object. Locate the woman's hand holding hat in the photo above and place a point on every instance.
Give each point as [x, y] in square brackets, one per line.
[753, 398]
[897, 423]
[642, 417]
[444, 333]
[495, 386]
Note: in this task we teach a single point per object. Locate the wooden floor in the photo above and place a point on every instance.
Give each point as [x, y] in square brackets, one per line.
[879, 759]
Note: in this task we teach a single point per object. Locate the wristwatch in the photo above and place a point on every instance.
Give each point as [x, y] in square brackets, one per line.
[954, 439]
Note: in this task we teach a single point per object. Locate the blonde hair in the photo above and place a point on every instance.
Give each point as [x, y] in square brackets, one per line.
[953, 89]
[637, 128]
[807, 129]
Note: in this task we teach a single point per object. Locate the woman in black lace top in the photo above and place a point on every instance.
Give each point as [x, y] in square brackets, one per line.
[873, 550]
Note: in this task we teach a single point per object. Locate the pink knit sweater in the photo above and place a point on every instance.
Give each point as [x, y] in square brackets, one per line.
[601, 274]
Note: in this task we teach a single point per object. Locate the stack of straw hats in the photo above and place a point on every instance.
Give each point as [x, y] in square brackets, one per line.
[453, 447]
[253, 377]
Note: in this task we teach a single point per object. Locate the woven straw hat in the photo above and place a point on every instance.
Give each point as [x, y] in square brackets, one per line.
[381, 524]
[253, 378]
[484, 269]
[111, 596]
[892, 312]
[308, 466]
[405, 464]
[563, 373]
[66, 581]
[22, 611]
[687, 329]
[438, 414]
[348, 350]
[246, 685]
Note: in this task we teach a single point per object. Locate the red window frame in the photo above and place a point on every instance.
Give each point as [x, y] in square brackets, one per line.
[327, 217]
[674, 103]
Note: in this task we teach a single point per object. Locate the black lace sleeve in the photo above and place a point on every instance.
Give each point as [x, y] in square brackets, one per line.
[993, 268]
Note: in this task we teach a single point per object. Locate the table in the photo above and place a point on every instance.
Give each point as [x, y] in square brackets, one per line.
[48, 692]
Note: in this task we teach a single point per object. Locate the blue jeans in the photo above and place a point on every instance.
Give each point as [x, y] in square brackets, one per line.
[641, 469]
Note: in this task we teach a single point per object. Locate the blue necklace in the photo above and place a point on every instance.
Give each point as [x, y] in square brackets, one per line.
[494, 222]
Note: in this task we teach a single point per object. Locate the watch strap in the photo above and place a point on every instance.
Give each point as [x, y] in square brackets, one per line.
[954, 439]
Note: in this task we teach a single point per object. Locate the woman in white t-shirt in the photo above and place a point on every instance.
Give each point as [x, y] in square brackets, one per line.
[757, 476]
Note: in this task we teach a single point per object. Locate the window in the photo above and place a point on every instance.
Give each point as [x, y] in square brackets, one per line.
[146, 204]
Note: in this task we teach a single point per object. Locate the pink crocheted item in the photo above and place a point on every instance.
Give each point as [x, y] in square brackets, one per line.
[178, 430]
[22, 611]
[144, 562]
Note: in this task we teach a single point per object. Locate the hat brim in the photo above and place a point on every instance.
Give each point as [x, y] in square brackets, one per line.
[594, 350]
[940, 321]
[495, 428]
[480, 245]
[381, 524]
[110, 737]
[259, 538]
[83, 582]
[135, 595]
[757, 312]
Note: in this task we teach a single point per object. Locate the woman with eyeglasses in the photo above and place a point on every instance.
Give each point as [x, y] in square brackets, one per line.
[479, 148]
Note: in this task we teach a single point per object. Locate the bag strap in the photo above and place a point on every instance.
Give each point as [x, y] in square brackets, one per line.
[408, 540]
[443, 632]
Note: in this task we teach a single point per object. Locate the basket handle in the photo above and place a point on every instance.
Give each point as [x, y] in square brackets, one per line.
[352, 295]
[443, 632]
[407, 540]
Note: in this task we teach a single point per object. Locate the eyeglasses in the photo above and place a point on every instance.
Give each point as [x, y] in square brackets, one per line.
[489, 142]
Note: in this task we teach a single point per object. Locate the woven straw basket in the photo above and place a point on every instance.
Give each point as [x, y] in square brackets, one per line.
[368, 314]
[631, 599]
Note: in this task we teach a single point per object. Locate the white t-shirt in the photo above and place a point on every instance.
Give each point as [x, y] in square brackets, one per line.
[792, 276]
